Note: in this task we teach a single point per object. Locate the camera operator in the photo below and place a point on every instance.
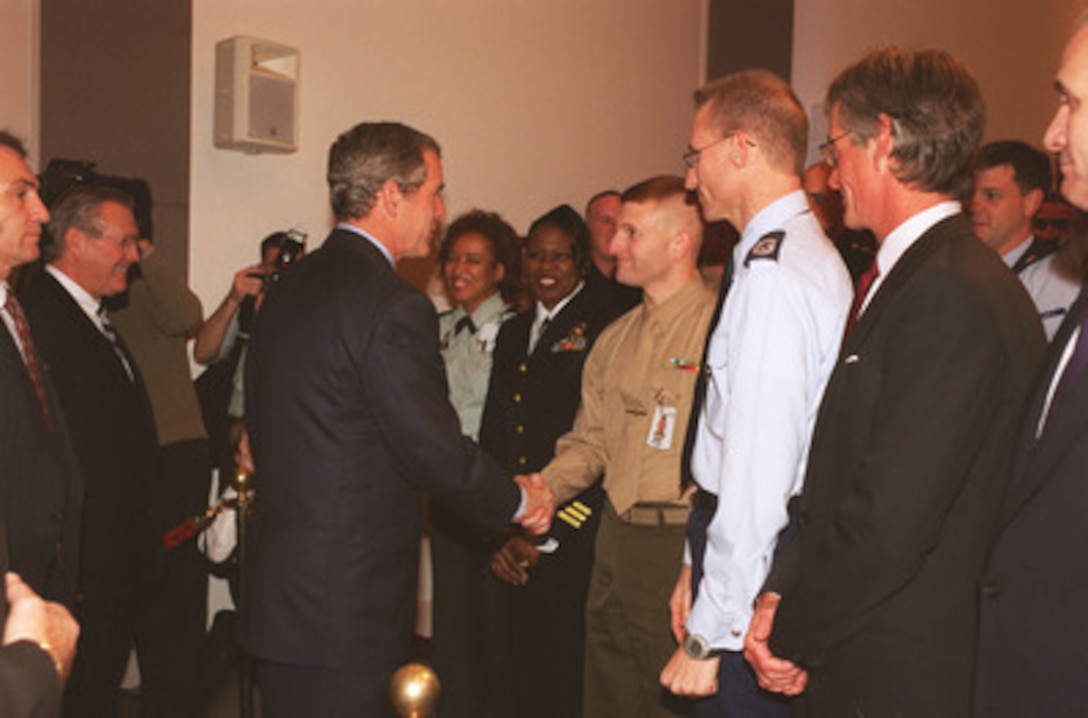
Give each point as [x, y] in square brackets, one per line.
[216, 337]
[220, 343]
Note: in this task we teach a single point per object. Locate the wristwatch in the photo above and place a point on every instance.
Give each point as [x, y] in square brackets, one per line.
[698, 648]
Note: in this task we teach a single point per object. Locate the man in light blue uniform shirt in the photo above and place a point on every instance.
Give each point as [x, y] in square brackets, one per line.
[1011, 180]
[783, 307]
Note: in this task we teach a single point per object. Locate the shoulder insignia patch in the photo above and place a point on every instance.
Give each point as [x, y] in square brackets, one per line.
[766, 247]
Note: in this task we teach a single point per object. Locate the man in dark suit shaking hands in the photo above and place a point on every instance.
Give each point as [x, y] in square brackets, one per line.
[1033, 625]
[348, 417]
[876, 596]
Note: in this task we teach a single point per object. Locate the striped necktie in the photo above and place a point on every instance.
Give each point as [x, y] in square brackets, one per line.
[115, 341]
[30, 355]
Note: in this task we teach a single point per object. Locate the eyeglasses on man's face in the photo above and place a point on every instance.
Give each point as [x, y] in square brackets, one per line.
[827, 149]
[691, 157]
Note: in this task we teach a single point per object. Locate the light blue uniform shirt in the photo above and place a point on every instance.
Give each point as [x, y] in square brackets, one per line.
[769, 360]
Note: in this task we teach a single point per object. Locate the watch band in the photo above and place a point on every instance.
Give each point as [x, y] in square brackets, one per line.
[698, 648]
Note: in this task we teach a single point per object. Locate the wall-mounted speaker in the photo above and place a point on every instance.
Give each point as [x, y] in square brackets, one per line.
[256, 95]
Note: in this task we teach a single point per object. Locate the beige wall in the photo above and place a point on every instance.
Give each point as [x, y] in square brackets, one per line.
[1013, 47]
[535, 103]
[19, 70]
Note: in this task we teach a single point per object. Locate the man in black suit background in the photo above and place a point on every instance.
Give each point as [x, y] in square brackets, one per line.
[1033, 628]
[108, 418]
[874, 602]
[603, 220]
[348, 416]
[39, 482]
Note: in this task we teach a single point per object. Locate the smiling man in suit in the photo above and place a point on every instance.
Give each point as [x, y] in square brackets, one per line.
[109, 420]
[348, 414]
[1033, 625]
[873, 604]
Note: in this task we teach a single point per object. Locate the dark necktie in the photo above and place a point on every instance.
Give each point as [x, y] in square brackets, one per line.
[464, 322]
[699, 397]
[1037, 250]
[1073, 368]
[865, 283]
[30, 355]
[115, 341]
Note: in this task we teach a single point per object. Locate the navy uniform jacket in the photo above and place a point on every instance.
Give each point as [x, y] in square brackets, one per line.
[532, 401]
[532, 398]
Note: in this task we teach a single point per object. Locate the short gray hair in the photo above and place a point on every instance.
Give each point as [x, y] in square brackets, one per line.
[367, 156]
[79, 208]
[937, 114]
[762, 104]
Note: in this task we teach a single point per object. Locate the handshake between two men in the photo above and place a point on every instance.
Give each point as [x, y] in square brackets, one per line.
[538, 508]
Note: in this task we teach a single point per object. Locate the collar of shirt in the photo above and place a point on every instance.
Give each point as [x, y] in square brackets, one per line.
[772, 217]
[491, 309]
[543, 313]
[490, 313]
[1013, 256]
[86, 302]
[903, 238]
[666, 314]
[381, 247]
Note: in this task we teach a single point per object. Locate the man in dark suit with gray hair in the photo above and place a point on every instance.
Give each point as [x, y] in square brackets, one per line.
[349, 420]
[874, 602]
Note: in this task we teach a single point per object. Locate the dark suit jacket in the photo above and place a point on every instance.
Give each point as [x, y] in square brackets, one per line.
[348, 415]
[109, 421]
[28, 680]
[1033, 629]
[905, 476]
[41, 484]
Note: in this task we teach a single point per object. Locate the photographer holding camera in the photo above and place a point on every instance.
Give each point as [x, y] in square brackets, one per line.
[220, 343]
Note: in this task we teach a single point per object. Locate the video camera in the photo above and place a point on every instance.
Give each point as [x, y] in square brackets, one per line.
[292, 247]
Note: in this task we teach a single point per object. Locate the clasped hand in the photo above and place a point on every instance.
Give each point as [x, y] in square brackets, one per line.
[774, 674]
[536, 514]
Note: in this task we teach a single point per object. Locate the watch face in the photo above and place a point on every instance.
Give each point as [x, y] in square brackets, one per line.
[696, 646]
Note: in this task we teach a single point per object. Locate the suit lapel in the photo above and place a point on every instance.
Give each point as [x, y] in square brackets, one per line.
[900, 276]
[101, 349]
[1035, 458]
[90, 334]
[519, 328]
